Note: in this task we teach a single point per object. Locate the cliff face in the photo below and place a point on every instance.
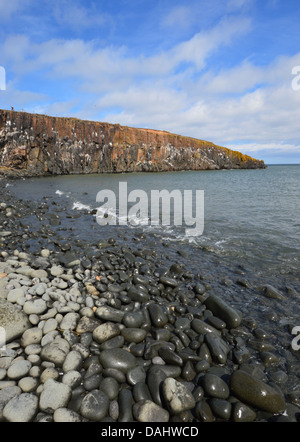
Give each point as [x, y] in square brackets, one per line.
[39, 145]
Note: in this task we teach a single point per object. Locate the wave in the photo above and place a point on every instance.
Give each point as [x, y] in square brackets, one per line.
[77, 205]
[59, 192]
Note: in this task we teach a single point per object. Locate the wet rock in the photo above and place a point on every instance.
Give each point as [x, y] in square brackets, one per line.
[221, 309]
[117, 358]
[257, 393]
[243, 413]
[155, 379]
[218, 347]
[136, 375]
[107, 313]
[221, 408]
[273, 293]
[110, 387]
[203, 412]
[126, 403]
[135, 335]
[214, 386]
[170, 357]
[141, 392]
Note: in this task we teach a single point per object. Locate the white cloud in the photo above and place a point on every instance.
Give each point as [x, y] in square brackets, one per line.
[180, 16]
[9, 7]
[246, 106]
[77, 16]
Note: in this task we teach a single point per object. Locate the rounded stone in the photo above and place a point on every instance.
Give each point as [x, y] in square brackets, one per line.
[6, 394]
[243, 413]
[49, 373]
[148, 411]
[69, 321]
[12, 320]
[72, 378]
[19, 369]
[177, 396]
[28, 384]
[117, 358]
[31, 336]
[257, 393]
[133, 319]
[73, 361]
[107, 313]
[56, 271]
[157, 315]
[15, 294]
[94, 406]
[50, 325]
[222, 310]
[56, 352]
[105, 331]
[214, 386]
[170, 357]
[65, 415]
[221, 408]
[35, 306]
[135, 375]
[54, 395]
[110, 387]
[21, 408]
[135, 335]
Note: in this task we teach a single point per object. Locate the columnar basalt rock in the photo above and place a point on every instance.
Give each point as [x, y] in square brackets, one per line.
[37, 145]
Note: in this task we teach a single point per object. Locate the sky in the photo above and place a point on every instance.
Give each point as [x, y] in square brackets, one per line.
[225, 71]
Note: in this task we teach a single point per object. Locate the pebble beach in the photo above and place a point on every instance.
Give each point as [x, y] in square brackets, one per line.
[113, 331]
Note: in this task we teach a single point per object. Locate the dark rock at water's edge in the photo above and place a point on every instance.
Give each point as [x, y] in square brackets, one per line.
[38, 145]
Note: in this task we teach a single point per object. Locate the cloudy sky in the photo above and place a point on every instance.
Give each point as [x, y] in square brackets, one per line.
[219, 70]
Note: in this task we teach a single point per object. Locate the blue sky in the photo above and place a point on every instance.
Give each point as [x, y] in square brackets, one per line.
[210, 69]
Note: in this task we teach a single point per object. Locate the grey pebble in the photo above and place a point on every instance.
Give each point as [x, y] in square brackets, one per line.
[54, 395]
[21, 408]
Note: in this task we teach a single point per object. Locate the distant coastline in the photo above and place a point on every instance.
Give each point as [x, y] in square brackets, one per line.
[39, 145]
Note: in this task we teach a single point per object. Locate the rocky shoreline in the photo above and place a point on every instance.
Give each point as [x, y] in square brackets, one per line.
[114, 333]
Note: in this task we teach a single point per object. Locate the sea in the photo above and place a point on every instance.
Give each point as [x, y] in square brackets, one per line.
[249, 216]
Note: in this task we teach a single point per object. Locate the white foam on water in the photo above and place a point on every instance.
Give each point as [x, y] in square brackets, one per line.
[77, 205]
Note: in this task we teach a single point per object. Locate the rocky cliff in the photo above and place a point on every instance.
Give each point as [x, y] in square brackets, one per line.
[39, 145]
